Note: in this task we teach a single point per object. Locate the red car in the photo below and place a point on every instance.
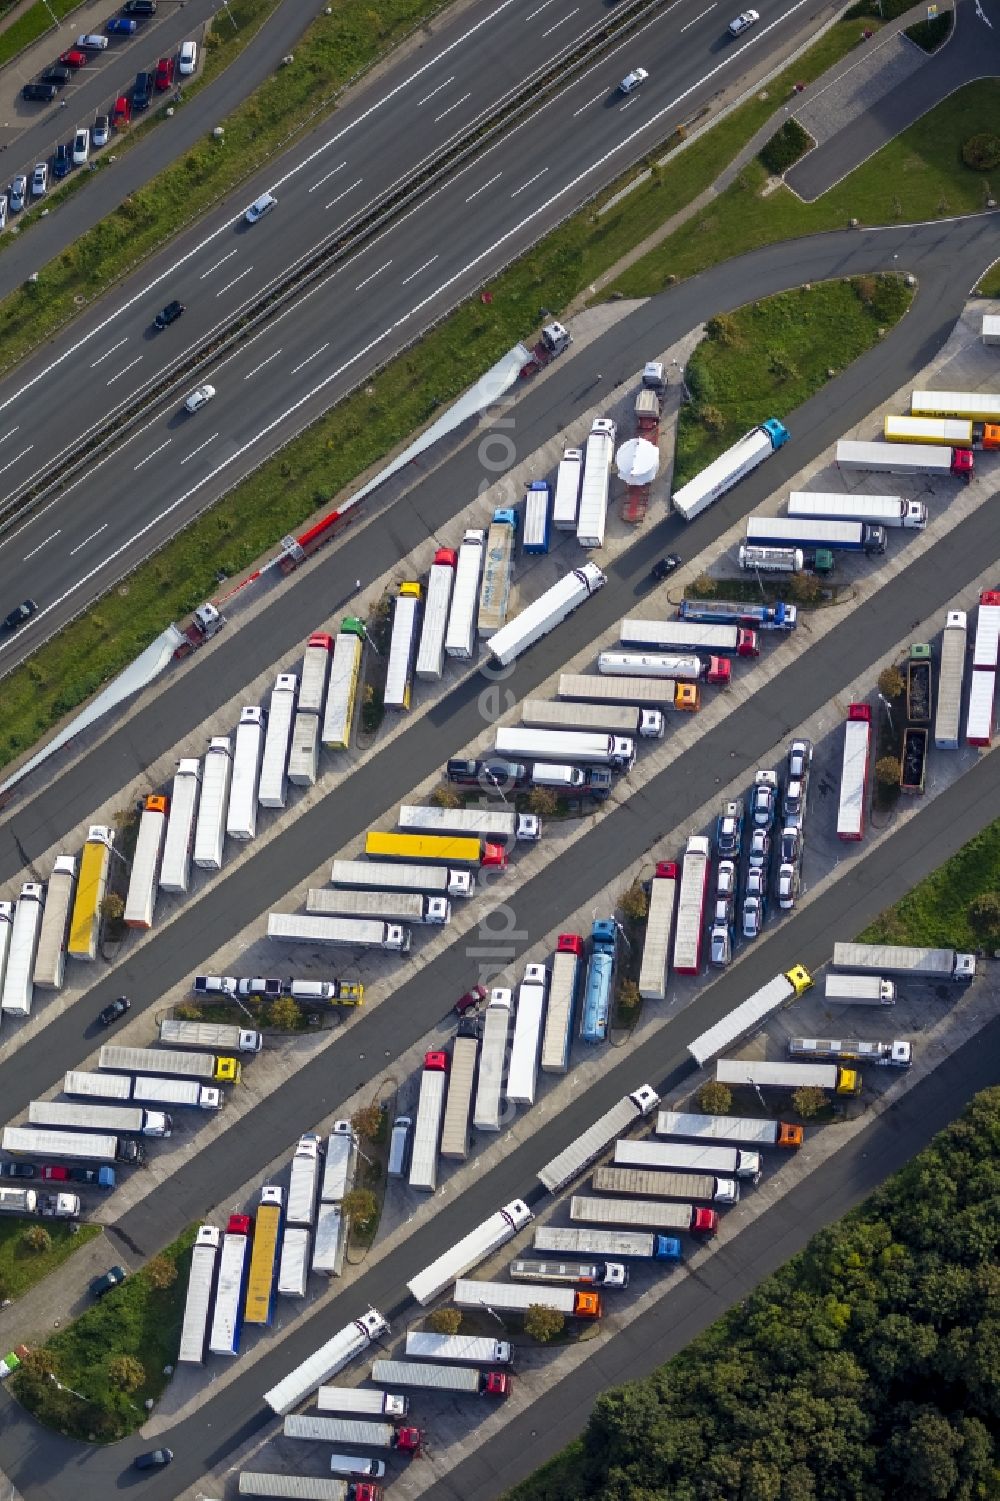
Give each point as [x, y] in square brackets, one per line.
[73, 58]
[472, 998]
[122, 114]
[164, 74]
[55, 1174]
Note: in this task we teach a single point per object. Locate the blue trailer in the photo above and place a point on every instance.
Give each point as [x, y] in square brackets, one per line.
[779, 617]
[537, 510]
[600, 976]
[799, 531]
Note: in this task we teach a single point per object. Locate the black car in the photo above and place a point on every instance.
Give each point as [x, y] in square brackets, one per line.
[62, 161]
[665, 567]
[142, 91]
[139, 8]
[18, 1170]
[58, 74]
[169, 314]
[17, 617]
[39, 93]
[489, 775]
[153, 1460]
[112, 1277]
[117, 1009]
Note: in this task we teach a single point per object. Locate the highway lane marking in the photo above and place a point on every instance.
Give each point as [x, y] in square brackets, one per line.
[21, 455]
[10, 434]
[435, 91]
[452, 106]
[345, 192]
[529, 182]
[407, 279]
[310, 357]
[225, 258]
[100, 529]
[223, 290]
[699, 16]
[602, 95]
[373, 275]
[108, 352]
[332, 173]
[152, 455]
[207, 440]
[556, 27]
[124, 370]
[538, 12]
[485, 185]
[270, 357]
[31, 554]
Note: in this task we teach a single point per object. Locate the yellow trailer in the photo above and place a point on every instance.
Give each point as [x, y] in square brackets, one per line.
[949, 431]
[95, 862]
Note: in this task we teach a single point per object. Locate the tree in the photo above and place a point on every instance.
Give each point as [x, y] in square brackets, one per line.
[445, 797]
[982, 152]
[808, 1102]
[724, 329]
[368, 1122]
[445, 1321]
[715, 1099]
[890, 683]
[37, 1366]
[629, 999]
[126, 1373]
[161, 1273]
[285, 1014]
[360, 1205]
[543, 802]
[112, 908]
[634, 903]
[888, 771]
[37, 1239]
[543, 1324]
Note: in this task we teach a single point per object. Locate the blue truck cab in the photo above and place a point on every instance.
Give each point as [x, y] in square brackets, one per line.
[667, 1248]
[777, 432]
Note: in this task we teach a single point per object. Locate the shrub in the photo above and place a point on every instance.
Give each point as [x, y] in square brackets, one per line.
[711, 418]
[125, 1372]
[162, 1273]
[543, 1324]
[808, 1102]
[984, 915]
[699, 382]
[785, 147]
[888, 771]
[368, 1122]
[982, 152]
[112, 908]
[629, 999]
[634, 903]
[186, 1012]
[890, 683]
[284, 1014]
[445, 797]
[543, 802]
[36, 1239]
[891, 299]
[725, 330]
[360, 1205]
[445, 1321]
[715, 1098]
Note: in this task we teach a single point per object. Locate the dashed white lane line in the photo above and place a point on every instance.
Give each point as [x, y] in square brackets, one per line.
[10, 433]
[223, 290]
[544, 6]
[452, 106]
[332, 173]
[309, 358]
[698, 17]
[124, 370]
[345, 192]
[602, 95]
[440, 86]
[207, 440]
[100, 529]
[31, 554]
[270, 357]
[373, 276]
[225, 258]
[529, 182]
[556, 27]
[107, 353]
[152, 455]
[16, 460]
[495, 178]
[407, 279]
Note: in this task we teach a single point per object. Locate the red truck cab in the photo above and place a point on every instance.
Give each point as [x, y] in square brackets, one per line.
[789, 1136]
[240, 1224]
[436, 1063]
[666, 870]
[494, 855]
[496, 1384]
[718, 670]
[963, 463]
[408, 1440]
[704, 1222]
[570, 943]
[747, 644]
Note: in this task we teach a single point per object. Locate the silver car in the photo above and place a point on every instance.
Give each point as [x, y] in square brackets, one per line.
[760, 848]
[18, 194]
[720, 950]
[725, 879]
[753, 916]
[39, 179]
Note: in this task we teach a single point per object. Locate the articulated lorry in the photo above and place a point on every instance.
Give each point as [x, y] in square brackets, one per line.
[489, 1088]
[689, 635]
[340, 1162]
[95, 862]
[792, 531]
[717, 670]
[402, 906]
[28, 1204]
[211, 1069]
[25, 1141]
[859, 990]
[293, 1263]
[729, 468]
[143, 1091]
[210, 829]
[690, 926]
[571, 1273]
[896, 959]
[427, 1130]
[198, 1299]
[616, 751]
[427, 880]
[879, 510]
[175, 867]
[545, 613]
[345, 675]
[609, 717]
[241, 812]
[522, 1069]
[569, 477]
[905, 458]
[25, 930]
[597, 989]
[473, 1248]
[50, 959]
[259, 1305]
[303, 1186]
[315, 673]
[272, 789]
[59, 1114]
[578, 1156]
[469, 1347]
[644, 1214]
[403, 646]
[671, 694]
[747, 1130]
[423, 849]
[362, 1402]
[441, 582]
[214, 1036]
[460, 637]
[777, 617]
[461, 1082]
[349, 1342]
[755, 1075]
[579, 1241]
[659, 932]
[537, 504]
[684, 1157]
[144, 880]
[750, 1014]
[974, 406]
[567, 969]
[650, 1183]
[593, 513]
[895, 1054]
[497, 825]
[353, 1431]
[952, 431]
[572, 1302]
[854, 772]
[350, 932]
[467, 1381]
[498, 573]
[307, 1488]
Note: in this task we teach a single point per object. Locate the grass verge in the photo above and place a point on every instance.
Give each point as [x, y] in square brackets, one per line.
[113, 1355]
[34, 23]
[957, 906]
[919, 175]
[21, 1268]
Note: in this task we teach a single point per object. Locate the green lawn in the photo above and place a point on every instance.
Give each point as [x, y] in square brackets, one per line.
[34, 23]
[135, 1319]
[769, 357]
[920, 175]
[21, 1268]
[936, 912]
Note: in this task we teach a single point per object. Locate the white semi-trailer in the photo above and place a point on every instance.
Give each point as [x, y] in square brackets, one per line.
[362, 1402]
[593, 513]
[522, 1070]
[947, 725]
[60, 1115]
[346, 1344]
[470, 1347]
[440, 583]
[882, 510]
[496, 1029]
[897, 959]
[567, 967]
[198, 1301]
[400, 906]
[175, 868]
[644, 1214]
[626, 718]
[427, 1130]
[579, 1240]
[569, 476]
[50, 958]
[545, 613]
[461, 1082]
[469, 1252]
[859, 990]
[303, 754]
[210, 830]
[241, 814]
[466, 1381]
[216, 1037]
[144, 879]
[729, 468]
[688, 1157]
[272, 787]
[18, 983]
[574, 1159]
[460, 637]
[558, 746]
[350, 932]
[750, 1014]
[747, 1130]
[498, 825]
[659, 932]
[649, 1183]
[376, 875]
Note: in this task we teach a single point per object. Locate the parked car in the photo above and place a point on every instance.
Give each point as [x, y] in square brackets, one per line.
[720, 945]
[58, 74]
[199, 398]
[100, 132]
[168, 314]
[62, 161]
[753, 916]
[74, 58]
[139, 8]
[665, 567]
[18, 193]
[725, 879]
[121, 26]
[788, 886]
[743, 22]
[632, 81]
[39, 93]
[153, 1460]
[260, 206]
[800, 754]
[54, 1173]
[91, 41]
[81, 147]
[142, 92]
[489, 774]
[40, 179]
[103, 1177]
[18, 1170]
[760, 848]
[164, 74]
[791, 846]
[729, 830]
[122, 112]
[763, 798]
[115, 1011]
[471, 999]
[113, 1277]
[188, 59]
[756, 881]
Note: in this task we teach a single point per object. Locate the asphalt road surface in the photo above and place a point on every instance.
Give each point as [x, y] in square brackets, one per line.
[324, 344]
[42, 1465]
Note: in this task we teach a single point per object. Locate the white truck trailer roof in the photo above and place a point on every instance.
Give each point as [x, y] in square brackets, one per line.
[655, 1183]
[385, 875]
[330, 1242]
[747, 1130]
[198, 1300]
[496, 1029]
[558, 1037]
[97, 1086]
[689, 1157]
[854, 776]
[325, 1362]
[656, 945]
[339, 1162]
[545, 613]
[901, 959]
[175, 868]
[210, 830]
[271, 789]
[460, 636]
[748, 1071]
[241, 813]
[719, 476]
[158, 1061]
[50, 958]
[402, 648]
[499, 824]
[647, 1214]
[461, 1078]
[473, 1248]
[338, 716]
[427, 1130]
[593, 513]
[303, 754]
[143, 881]
[893, 458]
[440, 583]
[597, 1138]
[522, 1070]
[750, 1014]
[567, 497]
[947, 725]
[18, 984]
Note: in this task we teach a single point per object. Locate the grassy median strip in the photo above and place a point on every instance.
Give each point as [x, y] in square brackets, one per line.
[111, 1360]
[956, 906]
[34, 23]
[27, 1256]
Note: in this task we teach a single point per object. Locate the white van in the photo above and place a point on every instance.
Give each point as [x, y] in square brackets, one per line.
[260, 206]
[312, 990]
[353, 1464]
[399, 1147]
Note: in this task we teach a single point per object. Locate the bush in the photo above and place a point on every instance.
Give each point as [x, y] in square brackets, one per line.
[629, 1000]
[445, 797]
[445, 1321]
[360, 1205]
[125, 1372]
[186, 1012]
[891, 683]
[368, 1122]
[982, 152]
[785, 147]
[808, 1102]
[162, 1273]
[634, 903]
[699, 382]
[284, 1014]
[984, 915]
[543, 1324]
[36, 1239]
[112, 908]
[715, 1098]
[891, 299]
[888, 771]
[724, 330]
[543, 802]
[712, 418]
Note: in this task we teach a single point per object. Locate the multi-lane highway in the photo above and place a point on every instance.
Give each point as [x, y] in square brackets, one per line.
[326, 341]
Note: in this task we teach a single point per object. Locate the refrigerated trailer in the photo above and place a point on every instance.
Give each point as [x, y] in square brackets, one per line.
[498, 573]
[883, 510]
[215, 1036]
[306, 1487]
[649, 1183]
[476, 1349]
[750, 1014]
[26, 927]
[690, 925]
[573, 1302]
[757, 1075]
[659, 932]
[175, 868]
[427, 1130]
[95, 862]
[210, 830]
[144, 879]
[259, 1305]
[473, 1248]
[432, 880]
[227, 1315]
[684, 1157]
[795, 531]
[577, 1240]
[729, 468]
[121, 1119]
[293, 1265]
[272, 787]
[352, 1431]
[315, 672]
[616, 751]
[461, 1081]
[689, 635]
[593, 513]
[567, 967]
[460, 637]
[403, 646]
[644, 1214]
[25, 1141]
[610, 717]
[303, 754]
[545, 613]
[340, 1159]
[905, 458]
[350, 932]
[198, 1301]
[330, 1241]
[577, 1157]
[50, 959]
[142, 1091]
[537, 502]
[440, 583]
[210, 1069]
[493, 825]
[241, 813]
[345, 674]
[859, 990]
[947, 724]
[854, 772]
[489, 1088]
[974, 406]
[747, 1130]
[522, 1070]
[567, 497]
[897, 959]
[400, 906]
[462, 1380]
[303, 1186]
[325, 1362]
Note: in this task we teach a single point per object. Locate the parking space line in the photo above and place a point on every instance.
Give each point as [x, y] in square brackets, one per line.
[435, 91]
[699, 16]
[10, 434]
